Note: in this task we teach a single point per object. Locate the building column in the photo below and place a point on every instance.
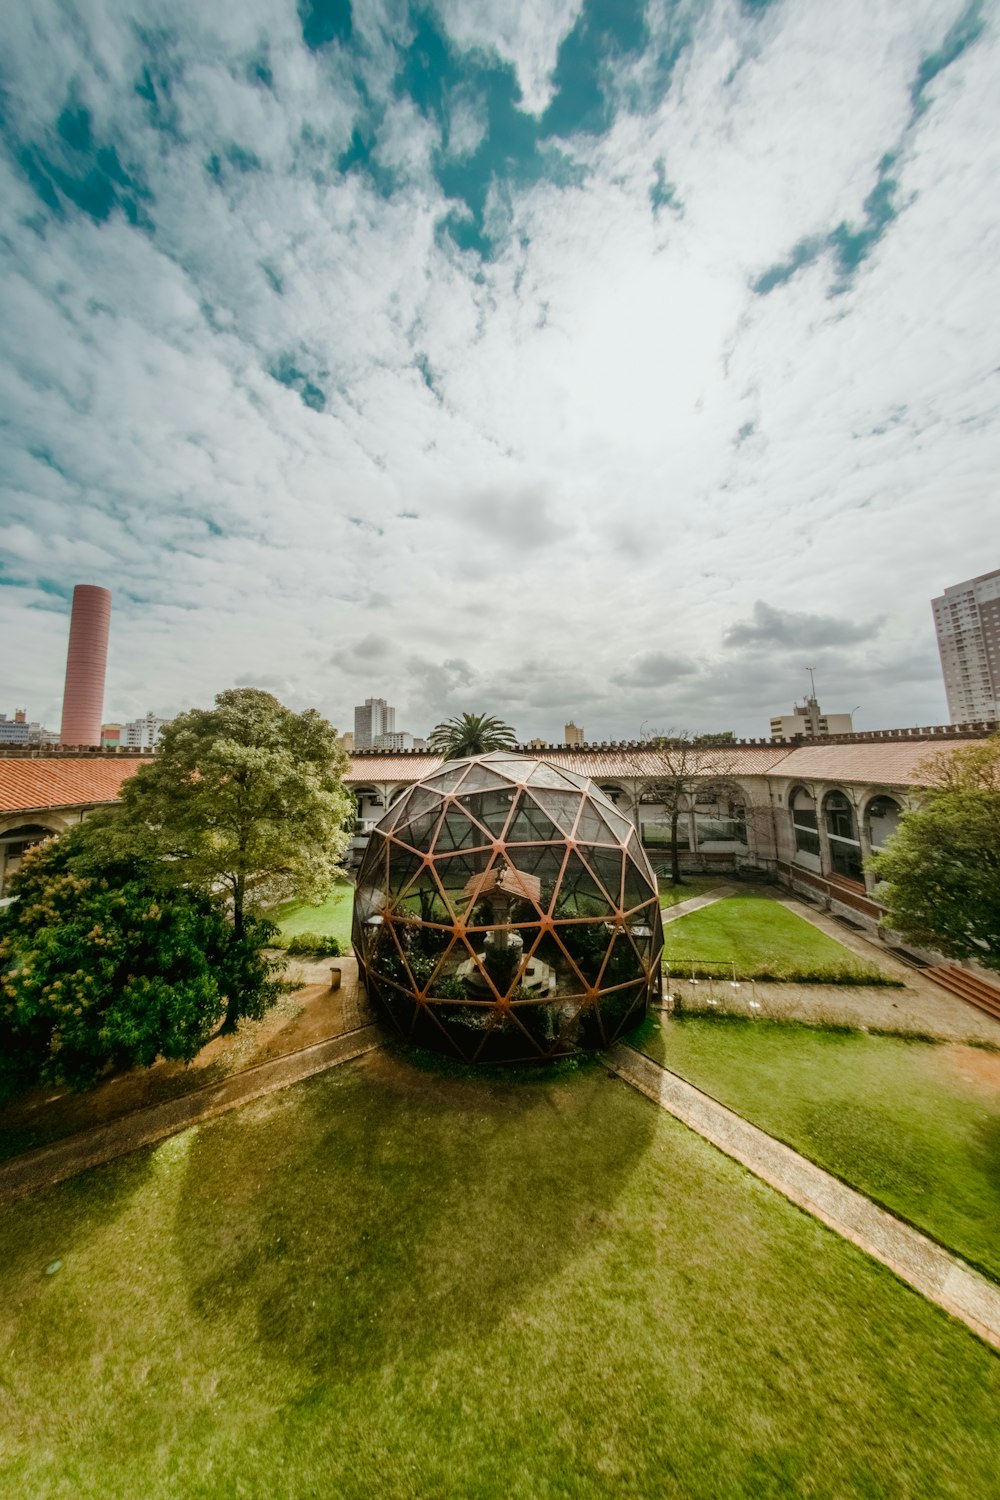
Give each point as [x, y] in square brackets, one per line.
[825, 862]
[864, 838]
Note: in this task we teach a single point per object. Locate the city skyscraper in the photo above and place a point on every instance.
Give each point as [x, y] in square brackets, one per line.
[372, 718]
[967, 621]
[86, 664]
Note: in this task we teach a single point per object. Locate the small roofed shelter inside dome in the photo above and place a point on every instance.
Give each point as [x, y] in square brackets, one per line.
[506, 912]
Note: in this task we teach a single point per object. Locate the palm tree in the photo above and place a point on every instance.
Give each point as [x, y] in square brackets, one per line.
[471, 734]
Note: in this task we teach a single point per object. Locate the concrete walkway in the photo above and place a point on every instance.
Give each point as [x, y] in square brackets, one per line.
[925, 1266]
[90, 1148]
[694, 903]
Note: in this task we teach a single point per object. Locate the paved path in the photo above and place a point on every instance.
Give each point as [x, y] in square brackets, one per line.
[90, 1148]
[671, 913]
[921, 1005]
[931, 1270]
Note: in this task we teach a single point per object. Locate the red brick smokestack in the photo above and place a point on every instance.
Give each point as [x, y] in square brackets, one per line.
[86, 660]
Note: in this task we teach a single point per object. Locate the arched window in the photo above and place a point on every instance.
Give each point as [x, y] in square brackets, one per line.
[805, 822]
[842, 831]
[883, 819]
[14, 842]
[720, 816]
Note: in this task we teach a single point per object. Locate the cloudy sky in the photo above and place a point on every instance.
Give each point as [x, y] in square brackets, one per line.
[589, 359]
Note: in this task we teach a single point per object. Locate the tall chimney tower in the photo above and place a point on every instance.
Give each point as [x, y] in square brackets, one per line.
[86, 662]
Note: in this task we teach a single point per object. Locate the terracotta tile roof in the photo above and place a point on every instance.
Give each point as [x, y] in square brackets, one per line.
[30, 785]
[874, 762]
[607, 765]
[375, 768]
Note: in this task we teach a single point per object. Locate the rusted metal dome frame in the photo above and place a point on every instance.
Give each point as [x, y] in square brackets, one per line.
[494, 876]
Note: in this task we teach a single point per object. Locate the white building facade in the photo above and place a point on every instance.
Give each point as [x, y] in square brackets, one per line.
[967, 621]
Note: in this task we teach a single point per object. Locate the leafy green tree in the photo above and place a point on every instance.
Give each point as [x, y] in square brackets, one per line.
[471, 734]
[246, 797]
[111, 962]
[940, 872]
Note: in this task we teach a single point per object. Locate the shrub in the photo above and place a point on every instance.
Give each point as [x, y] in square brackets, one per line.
[316, 943]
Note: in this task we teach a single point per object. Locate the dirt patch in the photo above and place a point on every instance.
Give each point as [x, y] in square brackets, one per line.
[975, 1065]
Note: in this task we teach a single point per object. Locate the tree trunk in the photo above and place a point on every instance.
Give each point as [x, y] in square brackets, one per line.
[239, 931]
[675, 862]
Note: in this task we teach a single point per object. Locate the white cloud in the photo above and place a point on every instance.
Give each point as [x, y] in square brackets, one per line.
[584, 498]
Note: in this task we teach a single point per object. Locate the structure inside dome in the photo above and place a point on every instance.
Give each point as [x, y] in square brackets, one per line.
[505, 911]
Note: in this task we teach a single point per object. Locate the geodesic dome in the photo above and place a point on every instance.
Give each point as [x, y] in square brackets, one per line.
[506, 911]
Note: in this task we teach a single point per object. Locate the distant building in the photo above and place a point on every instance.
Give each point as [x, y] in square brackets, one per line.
[809, 720]
[19, 731]
[111, 734]
[573, 734]
[142, 734]
[418, 743]
[967, 621]
[86, 664]
[372, 718]
[346, 741]
[396, 739]
[14, 731]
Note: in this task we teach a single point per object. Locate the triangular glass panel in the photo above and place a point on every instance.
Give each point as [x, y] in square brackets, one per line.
[424, 949]
[398, 811]
[620, 826]
[579, 895]
[421, 801]
[482, 779]
[419, 831]
[592, 829]
[529, 824]
[607, 866]
[548, 776]
[587, 944]
[403, 865]
[550, 972]
[623, 963]
[622, 1009]
[457, 831]
[491, 809]
[541, 1022]
[561, 807]
[511, 765]
[637, 887]
[448, 778]
[456, 871]
[423, 900]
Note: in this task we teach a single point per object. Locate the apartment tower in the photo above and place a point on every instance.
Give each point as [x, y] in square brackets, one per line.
[86, 663]
[372, 719]
[967, 621]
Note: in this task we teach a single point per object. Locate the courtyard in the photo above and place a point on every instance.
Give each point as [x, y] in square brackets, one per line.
[392, 1280]
[409, 1278]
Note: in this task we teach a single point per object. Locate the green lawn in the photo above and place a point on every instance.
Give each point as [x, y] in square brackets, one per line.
[766, 941]
[390, 1282]
[694, 885]
[914, 1125]
[332, 918]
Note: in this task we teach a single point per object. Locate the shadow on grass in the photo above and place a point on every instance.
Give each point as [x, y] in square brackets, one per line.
[52, 1225]
[388, 1208]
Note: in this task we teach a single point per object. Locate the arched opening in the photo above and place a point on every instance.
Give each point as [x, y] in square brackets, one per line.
[720, 820]
[14, 842]
[842, 832]
[883, 814]
[805, 824]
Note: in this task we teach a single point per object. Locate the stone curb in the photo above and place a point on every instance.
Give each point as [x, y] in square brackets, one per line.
[91, 1148]
[923, 1265]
